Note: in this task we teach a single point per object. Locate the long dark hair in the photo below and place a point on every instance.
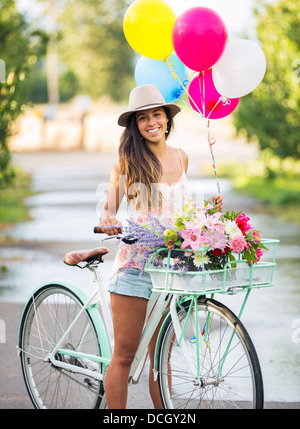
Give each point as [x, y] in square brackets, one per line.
[140, 165]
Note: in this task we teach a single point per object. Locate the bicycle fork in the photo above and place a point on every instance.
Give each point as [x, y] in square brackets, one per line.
[201, 343]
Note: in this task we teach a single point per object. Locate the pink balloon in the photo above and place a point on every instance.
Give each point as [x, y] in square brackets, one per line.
[199, 38]
[207, 100]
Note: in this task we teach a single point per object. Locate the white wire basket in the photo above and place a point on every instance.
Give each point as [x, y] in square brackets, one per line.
[235, 276]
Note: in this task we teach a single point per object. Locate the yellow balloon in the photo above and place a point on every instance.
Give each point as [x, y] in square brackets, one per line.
[148, 26]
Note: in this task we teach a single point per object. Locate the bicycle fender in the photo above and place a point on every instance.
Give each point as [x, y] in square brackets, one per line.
[92, 310]
[157, 345]
[166, 321]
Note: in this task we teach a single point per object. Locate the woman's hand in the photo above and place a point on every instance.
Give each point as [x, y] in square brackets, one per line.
[110, 226]
[219, 202]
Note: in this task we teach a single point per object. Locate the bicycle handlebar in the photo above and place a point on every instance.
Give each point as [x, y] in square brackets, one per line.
[130, 239]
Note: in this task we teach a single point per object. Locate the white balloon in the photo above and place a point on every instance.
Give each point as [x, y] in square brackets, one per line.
[240, 69]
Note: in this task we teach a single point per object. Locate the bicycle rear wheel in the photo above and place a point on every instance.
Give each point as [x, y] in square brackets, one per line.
[45, 319]
[223, 372]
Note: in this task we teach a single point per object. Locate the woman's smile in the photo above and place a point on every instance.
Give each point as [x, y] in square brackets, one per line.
[153, 130]
[152, 124]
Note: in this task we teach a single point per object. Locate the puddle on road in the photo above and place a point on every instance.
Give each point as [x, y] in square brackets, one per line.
[21, 276]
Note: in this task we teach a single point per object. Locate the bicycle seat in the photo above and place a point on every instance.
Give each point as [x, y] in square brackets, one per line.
[89, 255]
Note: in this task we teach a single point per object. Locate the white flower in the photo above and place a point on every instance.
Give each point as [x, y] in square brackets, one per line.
[232, 229]
[197, 259]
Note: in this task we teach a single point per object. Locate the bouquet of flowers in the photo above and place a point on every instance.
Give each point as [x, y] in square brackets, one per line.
[198, 238]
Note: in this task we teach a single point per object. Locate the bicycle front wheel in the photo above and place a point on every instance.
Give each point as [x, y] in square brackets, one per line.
[45, 319]
[217, 367]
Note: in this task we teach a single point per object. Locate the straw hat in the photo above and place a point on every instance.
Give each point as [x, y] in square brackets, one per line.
[145, 97]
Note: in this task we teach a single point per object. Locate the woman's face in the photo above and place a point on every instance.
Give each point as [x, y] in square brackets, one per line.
[152, 124]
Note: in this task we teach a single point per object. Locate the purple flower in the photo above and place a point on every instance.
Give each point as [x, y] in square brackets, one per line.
[150, 238]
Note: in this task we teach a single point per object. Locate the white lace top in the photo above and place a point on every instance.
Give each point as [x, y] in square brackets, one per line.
[173, 199]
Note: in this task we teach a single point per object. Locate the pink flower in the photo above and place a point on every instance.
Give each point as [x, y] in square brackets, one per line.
[213, 220]
[242, 222]
[215, 239]
[220, 227]
[259, 254]
[256, 236]
[238, 243]
[192, 238]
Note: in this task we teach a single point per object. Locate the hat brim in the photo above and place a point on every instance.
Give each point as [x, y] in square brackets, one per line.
[123, 119]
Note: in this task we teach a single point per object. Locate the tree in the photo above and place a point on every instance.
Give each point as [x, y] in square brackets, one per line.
[93, 47]
[19, 50]
[270, 113]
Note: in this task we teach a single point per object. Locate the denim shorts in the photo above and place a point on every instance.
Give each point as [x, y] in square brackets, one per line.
[130, 283]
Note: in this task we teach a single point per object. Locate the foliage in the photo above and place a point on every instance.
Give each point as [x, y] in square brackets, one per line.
[19, 50]
[93, 47]
[270, 113]
[272, 181]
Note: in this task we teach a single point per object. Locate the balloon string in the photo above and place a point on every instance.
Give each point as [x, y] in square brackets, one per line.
[203, 92]
[211, 140]
[184, 102]
[174, 74]
[214, 107]
[221, 98]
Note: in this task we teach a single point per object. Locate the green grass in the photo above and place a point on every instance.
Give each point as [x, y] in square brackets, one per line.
[278, 192]
[279, 195]
[12, 206]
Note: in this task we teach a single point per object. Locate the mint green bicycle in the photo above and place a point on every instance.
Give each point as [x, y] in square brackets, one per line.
[204, 356]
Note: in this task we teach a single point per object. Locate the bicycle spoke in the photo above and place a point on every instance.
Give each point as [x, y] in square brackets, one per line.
[224, 366]
[51, 313]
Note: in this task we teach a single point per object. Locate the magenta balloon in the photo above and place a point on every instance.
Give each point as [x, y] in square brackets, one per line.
[199, 38]
[208, 97]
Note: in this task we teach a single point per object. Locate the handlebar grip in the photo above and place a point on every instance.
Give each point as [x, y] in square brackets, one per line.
[97, 229]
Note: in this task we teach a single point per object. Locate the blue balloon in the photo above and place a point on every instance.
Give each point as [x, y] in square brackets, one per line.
[161, 74]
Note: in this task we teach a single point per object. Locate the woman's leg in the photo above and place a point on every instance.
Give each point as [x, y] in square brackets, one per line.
[128, 318]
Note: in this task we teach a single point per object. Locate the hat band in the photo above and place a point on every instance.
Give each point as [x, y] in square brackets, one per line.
[152, 104]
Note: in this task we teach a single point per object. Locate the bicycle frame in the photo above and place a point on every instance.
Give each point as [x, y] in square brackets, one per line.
[98, 303]
[51, 357]
[182, 324]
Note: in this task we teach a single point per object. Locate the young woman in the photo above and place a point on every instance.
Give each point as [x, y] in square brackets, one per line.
[152, 176]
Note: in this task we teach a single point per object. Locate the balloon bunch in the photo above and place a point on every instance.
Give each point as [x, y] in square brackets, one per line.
[196, 40]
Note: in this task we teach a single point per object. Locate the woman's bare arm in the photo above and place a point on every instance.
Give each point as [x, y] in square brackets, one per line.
[114, 197]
